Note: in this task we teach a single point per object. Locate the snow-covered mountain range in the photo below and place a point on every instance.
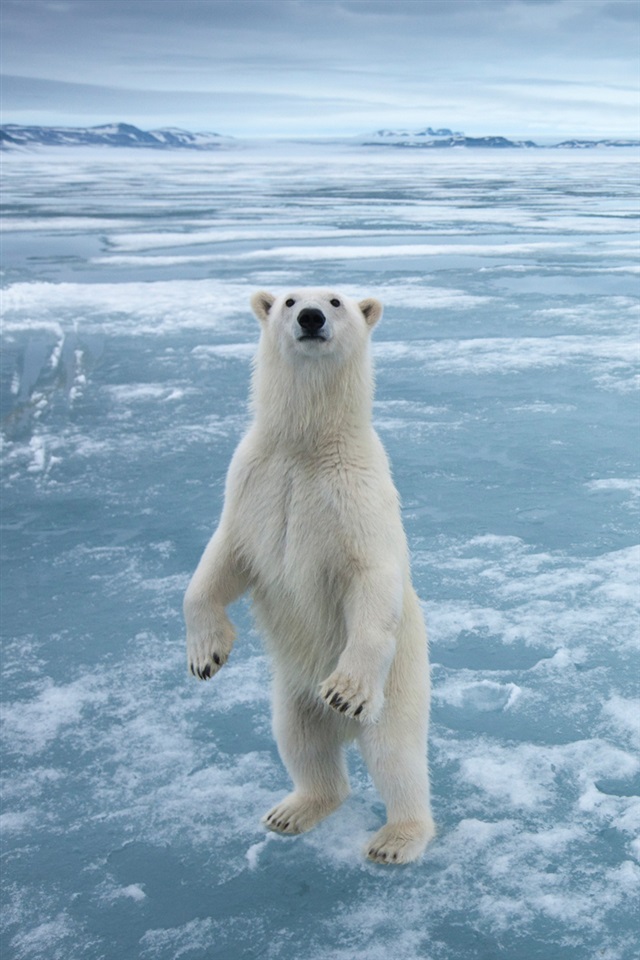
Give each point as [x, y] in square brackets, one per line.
[111, 135]
[429, 138]
[435, 139]
[126, 135]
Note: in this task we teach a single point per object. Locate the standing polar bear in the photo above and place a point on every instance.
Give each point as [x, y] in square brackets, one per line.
[311, 527]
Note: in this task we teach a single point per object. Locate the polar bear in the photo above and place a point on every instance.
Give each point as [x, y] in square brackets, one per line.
[311, 528]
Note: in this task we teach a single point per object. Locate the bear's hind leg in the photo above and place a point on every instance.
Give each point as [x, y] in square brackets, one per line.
[310, 740]
[397, 762]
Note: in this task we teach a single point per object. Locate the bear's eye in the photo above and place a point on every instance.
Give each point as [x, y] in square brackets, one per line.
[334, 302]
[290, 302]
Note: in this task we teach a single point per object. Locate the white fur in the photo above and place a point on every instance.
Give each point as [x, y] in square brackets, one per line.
[311, 527]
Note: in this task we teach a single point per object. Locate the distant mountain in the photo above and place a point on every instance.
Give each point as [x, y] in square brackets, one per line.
[587, 144]
[175, 137]
[13, 135]
[438, 139]
[427, 132]
[109, 135]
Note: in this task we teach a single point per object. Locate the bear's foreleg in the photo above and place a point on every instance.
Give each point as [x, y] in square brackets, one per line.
[372, 610]
[311, 743]
[217, 582]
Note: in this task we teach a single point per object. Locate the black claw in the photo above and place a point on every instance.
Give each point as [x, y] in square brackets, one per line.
[286, 826]
[344, 707]
[193, 673]
[336, 700]
[359, 710]
[198, 673]
[216, 659]
[206, 672]
[328, 693]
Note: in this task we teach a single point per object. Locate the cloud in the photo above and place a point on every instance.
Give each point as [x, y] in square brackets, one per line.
[219, 110]
[245, 66]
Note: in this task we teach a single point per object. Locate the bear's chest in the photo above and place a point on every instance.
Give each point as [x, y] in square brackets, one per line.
[291, 523]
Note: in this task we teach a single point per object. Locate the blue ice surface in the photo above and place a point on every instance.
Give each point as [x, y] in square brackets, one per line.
[507, 399]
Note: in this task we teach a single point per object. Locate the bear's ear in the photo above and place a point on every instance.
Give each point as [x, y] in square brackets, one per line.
[371, 310]
[261, 304]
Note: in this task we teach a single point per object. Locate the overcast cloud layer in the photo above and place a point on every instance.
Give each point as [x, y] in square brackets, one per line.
[312, 67]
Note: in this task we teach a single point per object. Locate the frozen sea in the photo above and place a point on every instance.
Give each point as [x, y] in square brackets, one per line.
[507, 376]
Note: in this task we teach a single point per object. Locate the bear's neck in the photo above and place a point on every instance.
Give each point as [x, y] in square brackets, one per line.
[311, 405]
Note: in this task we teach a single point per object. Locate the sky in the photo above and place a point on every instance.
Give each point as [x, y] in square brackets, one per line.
[304, 68]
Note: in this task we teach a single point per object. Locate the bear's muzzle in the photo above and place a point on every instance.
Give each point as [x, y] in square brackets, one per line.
[311, 321]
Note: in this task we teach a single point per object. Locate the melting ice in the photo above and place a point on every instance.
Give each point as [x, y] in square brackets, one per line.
[507, 399]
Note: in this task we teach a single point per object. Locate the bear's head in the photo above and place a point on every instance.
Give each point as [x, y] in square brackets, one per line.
[315, 323]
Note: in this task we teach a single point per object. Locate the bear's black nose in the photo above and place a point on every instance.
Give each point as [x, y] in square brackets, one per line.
[311, 320]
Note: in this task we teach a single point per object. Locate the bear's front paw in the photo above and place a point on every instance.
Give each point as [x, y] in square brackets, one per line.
[353, 698]
[208, 650]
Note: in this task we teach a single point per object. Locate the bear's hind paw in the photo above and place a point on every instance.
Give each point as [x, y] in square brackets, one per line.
[400, 842]
[298, 813]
